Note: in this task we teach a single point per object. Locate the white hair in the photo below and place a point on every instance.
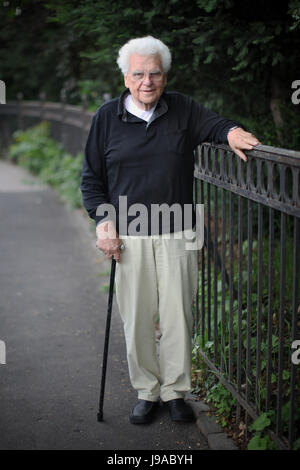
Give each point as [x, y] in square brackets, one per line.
[147, 45]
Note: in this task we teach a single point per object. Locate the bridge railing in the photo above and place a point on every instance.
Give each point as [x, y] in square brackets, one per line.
[248, 308]
[69, 124]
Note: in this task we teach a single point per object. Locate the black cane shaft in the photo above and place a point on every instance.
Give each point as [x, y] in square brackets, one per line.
[106, 343]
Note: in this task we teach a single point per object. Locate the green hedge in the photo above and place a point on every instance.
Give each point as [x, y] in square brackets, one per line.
[36, 151]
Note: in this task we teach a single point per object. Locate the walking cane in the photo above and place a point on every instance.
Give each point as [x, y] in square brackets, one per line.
[108, 319]
[109, 308]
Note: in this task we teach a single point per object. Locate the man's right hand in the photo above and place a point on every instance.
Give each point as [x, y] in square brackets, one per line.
[108, 240]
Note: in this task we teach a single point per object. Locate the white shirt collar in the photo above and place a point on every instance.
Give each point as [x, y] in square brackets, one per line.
[136, 111]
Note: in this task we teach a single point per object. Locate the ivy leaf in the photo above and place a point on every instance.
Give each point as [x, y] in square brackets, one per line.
[286, 375]
[260, 423]
[258, 443]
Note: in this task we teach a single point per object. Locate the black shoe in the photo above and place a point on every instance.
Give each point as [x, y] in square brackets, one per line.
[143, 412]
[180, 411]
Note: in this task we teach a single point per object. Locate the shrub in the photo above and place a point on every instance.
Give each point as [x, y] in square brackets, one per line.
[36, 151]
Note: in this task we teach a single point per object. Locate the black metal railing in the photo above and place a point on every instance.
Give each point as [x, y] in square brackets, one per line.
[248, 308]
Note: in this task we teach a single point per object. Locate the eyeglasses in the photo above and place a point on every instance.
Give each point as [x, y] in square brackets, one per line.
[153, 76]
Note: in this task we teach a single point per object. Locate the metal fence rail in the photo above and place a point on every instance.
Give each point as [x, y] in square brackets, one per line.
[248, 307]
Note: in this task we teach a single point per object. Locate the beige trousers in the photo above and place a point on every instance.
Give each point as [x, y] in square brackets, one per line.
[157, 276]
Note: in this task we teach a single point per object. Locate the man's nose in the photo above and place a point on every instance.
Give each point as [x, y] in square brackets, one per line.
[147, 80]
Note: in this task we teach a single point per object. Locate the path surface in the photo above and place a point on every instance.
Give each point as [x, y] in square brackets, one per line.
[52, 320]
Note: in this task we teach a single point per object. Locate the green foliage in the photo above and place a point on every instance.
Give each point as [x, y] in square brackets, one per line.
[234, 60]
[32, 53]
[296, 445]
[215, 38]
[260, 440]
[222, 401]
[34, 150]
[294, 11]
[260, 423]
[93, 93]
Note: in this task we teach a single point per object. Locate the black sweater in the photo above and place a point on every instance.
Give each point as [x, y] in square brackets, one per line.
[150, 163]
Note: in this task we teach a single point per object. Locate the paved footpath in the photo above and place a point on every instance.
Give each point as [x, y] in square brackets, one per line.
[52, 321]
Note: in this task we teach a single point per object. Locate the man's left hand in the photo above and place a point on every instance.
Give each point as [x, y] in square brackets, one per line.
[239, 140]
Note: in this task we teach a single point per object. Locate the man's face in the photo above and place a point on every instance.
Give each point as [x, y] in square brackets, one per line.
[145, 80]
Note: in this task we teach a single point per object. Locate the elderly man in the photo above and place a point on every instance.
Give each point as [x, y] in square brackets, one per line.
[141, 145]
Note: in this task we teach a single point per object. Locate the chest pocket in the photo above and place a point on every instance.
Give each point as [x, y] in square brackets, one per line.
[177, 141]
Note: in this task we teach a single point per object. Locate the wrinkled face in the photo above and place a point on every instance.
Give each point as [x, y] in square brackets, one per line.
[145, 80]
